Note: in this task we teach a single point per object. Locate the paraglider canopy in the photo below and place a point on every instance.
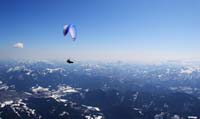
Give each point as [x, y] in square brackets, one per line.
[71, 29]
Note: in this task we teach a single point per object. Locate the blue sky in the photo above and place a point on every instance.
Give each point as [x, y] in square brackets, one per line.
[107, 29]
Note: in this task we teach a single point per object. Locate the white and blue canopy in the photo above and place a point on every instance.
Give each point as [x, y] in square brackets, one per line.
[71, 29]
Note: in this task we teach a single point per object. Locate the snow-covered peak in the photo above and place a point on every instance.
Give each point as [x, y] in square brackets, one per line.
[50, 70]
[190, 69]
[5, 103]
[39, 89]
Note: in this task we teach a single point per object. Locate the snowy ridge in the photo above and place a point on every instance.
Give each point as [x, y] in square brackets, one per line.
[56, 94]
[55, 70]
[18, 107]
[190, 70]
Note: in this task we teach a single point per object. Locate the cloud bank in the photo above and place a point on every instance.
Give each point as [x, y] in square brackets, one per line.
[18, 45]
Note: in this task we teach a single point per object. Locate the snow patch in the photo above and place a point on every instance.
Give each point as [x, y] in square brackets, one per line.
[93, 117]
[92, 108]
[192, 117]
[4, 87]
[64, 113]
[39, 89]
[190, 69]
[9, 102]
[55, 70]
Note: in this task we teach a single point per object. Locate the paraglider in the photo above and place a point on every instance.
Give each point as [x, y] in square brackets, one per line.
[69, 61]
[71, 29]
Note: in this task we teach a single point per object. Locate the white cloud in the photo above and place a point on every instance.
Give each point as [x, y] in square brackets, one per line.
[18, 45]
